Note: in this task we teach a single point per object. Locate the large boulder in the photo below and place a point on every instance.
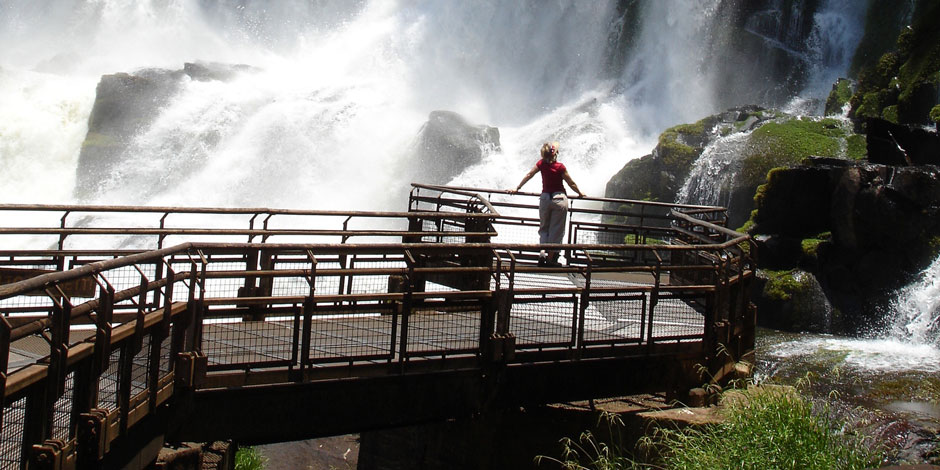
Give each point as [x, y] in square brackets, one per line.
[447, 144]
[721, 160]
[897, 144]
[863, 230]
[792, 300]
[659, 175]
[125, 105]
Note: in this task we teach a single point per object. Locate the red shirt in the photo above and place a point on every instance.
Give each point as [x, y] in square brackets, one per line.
[551, 176]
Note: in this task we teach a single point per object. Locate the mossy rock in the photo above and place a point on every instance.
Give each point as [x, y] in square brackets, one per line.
[787, 143]
[792, 300]
[907, 78]
[935, 114]
[840, 95]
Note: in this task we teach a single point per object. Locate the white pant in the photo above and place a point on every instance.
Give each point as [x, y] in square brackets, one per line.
[553, 212]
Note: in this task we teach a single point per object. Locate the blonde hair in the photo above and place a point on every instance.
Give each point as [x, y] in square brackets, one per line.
[549, 150]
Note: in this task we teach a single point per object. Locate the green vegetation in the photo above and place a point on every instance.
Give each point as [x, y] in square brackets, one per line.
[588, 452]
[935, 114]
[248, 458]
[902, 85]
[634, 239]
[934, 245]
[673, 153]
[787, 143]
[782, 285]
[840, 95]
[810, 246]
[773, 429]
[763, 428]
[857, 147]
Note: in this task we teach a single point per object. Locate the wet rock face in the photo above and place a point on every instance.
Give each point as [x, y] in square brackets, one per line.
[895, 144]
[869, 228]
[659, 175]
[793, 301]
[447, 144]
[125, 105]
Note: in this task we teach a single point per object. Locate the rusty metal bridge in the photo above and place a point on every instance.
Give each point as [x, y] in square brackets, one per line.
[126, 327]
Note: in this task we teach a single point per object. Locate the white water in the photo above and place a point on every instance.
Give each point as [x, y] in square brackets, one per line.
[838, 27]
[339, 92]
[917, 309]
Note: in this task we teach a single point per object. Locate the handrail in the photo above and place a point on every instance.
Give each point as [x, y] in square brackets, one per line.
[77, 208]
[457, 189]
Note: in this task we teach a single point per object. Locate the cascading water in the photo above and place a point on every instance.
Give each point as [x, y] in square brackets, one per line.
[917, 309]
[712, 174]
[837, 29]
[335, 92]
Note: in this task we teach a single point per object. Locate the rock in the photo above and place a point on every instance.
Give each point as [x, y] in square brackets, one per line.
[678, 418]
[447, 144]
[894, 144]
[792, 301]
[863, 230]
[206, 71]
[794, 203]
[126, 104]
[659, 175]
[840, 95]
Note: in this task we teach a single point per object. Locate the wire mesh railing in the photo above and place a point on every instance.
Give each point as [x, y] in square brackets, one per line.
[92, 340]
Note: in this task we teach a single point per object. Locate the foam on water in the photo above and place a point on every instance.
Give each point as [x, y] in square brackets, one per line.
[863, 355]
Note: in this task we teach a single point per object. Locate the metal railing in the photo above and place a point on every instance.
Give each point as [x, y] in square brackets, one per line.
[91, 346]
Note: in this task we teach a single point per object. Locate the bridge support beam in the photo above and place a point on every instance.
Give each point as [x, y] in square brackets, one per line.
[279, 413]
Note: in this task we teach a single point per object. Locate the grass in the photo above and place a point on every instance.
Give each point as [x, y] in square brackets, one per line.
[764, 429]
[248, 458]
[769, 430]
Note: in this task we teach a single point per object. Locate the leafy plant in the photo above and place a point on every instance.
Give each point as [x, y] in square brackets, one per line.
[766, 429]
[589, 453]
[248, 458]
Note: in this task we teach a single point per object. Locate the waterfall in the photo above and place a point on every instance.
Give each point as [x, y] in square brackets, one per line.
[917, 309]
[837, 30]
[710, 179]
[335, 91]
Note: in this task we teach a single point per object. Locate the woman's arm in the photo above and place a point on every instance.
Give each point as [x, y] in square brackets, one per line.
[571, 183]
[525, 179]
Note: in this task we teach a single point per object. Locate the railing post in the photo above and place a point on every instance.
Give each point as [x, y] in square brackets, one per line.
[406, 305]
[5, 328]
[502, 343]
[585, 301]
[654, 299]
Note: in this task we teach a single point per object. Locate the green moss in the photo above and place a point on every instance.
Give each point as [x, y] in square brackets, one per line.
[909, 77]
[890, 114]
[782, 285]
[908, 387]
[786, 144]
[674, 154]
[857, 147]
[810, 246]
[840, 95]
[935, 114]
[873, 102]
[749, 224]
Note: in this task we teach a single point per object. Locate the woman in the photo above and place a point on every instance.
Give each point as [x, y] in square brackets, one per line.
[553, 203]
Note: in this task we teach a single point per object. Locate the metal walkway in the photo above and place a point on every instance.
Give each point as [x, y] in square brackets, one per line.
[126, 326]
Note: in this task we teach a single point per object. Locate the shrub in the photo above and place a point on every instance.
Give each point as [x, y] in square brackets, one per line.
[248, 458]
[772, 429]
